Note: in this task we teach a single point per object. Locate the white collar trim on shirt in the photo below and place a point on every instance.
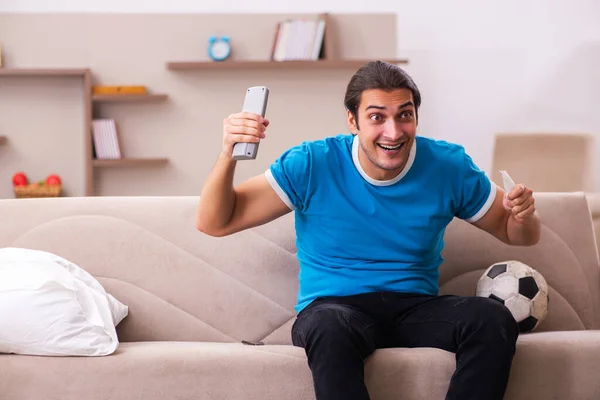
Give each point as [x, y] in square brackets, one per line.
[409, 163]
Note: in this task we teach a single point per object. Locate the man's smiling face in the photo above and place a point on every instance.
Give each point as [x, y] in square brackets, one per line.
[386, 126]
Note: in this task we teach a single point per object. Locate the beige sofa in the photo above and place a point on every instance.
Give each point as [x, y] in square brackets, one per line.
[594, 204]
[193, 298]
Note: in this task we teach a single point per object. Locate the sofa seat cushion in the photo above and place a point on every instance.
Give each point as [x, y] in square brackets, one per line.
[548, 365]
[162, 370]
[556, 365]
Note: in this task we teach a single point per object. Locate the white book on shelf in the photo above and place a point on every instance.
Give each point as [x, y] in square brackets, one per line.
[282, 41]
[302, 39]
[106, 143]
[319, 37]
[311, 27]
[292, 41]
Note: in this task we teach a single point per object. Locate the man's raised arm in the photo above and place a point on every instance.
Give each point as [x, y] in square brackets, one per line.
[223, 209]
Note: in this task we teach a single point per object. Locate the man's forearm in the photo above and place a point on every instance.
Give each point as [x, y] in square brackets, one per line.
[218, 197]
[525, 232]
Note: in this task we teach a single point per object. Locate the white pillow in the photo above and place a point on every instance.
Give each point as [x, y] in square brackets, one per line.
[50, 306]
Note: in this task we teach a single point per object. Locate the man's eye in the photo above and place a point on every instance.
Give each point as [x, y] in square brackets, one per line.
[406, 115]
[375, 117]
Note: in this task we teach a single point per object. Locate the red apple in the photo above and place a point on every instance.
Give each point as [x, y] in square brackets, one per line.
[53, 180]
[19, 179]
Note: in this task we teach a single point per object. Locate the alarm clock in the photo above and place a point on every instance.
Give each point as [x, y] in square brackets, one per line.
[219, 48]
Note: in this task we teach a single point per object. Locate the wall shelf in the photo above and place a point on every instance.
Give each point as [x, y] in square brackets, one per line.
[245, 65]
[129, 98]
[130, 162]
[43, 72]
[3, 139]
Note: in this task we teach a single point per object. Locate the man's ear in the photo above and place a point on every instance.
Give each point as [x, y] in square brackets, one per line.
[352, 122]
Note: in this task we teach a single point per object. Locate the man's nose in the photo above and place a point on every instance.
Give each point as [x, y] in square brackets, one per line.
[391, 130]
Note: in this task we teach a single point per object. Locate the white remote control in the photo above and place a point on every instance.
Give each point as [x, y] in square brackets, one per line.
[255, 102]
[507, 182]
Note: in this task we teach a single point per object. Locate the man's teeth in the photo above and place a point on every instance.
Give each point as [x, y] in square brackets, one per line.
[389, 147]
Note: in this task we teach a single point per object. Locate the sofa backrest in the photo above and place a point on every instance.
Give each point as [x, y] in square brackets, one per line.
[180, 284]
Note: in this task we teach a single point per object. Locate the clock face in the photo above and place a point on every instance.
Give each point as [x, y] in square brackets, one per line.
[220, 49]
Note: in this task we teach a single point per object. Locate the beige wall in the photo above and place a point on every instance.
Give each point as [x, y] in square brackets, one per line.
[42, 117]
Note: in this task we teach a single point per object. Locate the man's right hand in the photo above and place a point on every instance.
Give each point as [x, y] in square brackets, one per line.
[242, 127]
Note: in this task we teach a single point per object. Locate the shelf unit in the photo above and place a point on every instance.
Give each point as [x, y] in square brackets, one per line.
[129, 98]
[90, 163]
[131, 162]
[327, 59]
[44, 72]
[246, 65]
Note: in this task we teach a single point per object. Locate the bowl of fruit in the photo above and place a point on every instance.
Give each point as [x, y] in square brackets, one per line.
[49, 187]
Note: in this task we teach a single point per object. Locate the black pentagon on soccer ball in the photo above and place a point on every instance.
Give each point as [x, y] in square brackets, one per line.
[528, 287]
[527, 324]
[497, 270]
[494, 297]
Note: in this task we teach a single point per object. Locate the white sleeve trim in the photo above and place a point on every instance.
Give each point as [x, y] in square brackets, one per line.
[486, 206]
[278, 189]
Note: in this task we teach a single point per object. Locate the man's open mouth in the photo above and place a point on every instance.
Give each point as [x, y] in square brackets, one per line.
[390, 147]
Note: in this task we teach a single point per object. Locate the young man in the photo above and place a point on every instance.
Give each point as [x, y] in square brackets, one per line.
[371, 210]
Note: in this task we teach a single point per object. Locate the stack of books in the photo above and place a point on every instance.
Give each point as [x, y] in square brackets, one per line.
[298, 39]
[106, 142]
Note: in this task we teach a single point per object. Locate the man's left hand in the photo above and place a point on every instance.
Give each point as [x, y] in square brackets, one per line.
[520, 202]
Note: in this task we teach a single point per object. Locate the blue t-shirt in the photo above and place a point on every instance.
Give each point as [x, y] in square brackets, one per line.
[355, 234]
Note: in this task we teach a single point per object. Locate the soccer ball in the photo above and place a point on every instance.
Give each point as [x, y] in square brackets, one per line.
[520, 288]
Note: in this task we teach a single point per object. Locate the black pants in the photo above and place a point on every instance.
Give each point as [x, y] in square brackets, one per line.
[338, 333]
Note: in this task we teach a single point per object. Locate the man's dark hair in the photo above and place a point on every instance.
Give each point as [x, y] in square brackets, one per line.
[378, 75]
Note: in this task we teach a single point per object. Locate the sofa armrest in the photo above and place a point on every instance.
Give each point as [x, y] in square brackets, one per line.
[594, 204]
[593, 200]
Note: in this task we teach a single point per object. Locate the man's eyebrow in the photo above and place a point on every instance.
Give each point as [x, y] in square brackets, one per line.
[408, 103]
